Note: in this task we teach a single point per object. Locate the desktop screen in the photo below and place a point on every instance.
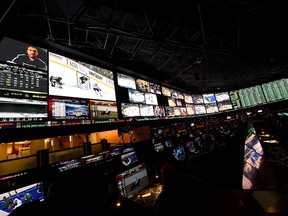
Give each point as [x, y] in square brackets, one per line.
[133, 180]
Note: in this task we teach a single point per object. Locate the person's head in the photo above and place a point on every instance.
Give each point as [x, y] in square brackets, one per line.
[32, 52]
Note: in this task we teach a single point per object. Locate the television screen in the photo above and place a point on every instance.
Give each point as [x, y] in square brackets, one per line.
[142, 85]
[177, 111]
[198, 99]
[158, 147]
[200, 109]
[224, 105]
[146, 110]
[168, 143]
[188, 98]
[151, 99]
[171, 102]
[129, 158]
[179, 153]
[177, 94]
[126, 81]
[209, 98]
[133, 180]
[23, 106]
[166, 91]
[159, 111]
[211, 108]
[170, 111]
[222, 96]
[155, 88]
[21, 195]
[190, 146]
[190, 109]
[130, 110]
[136, 96]
[68, 108]
[73, 78]
[19, 53]
[179, 102]
[103, 109]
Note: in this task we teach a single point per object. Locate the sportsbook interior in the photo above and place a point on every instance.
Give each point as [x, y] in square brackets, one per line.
[83, 136]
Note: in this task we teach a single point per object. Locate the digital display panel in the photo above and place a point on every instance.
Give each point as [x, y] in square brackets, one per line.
[169, 111]
[142, 85]
[177, 94]
[103, 109]
[151, 99]
[126, 81]
[155, 88]
[251, 96]
[211, 108]
[179, 153]
[224, 105]
[222, 96]
[136, 96]
[198, 99]
[129, 158]
[276, 90]
[166, 91]
[200, 109]
[235, 99]
[72, 78]
[146, 110]
[68, 108]
[190, 109]
[130, 110]
[22, 54]
[188, 98]
[177, 111]
[133, 180]
[158, 147]
[171, 102]
[159, 111]
[209, 98]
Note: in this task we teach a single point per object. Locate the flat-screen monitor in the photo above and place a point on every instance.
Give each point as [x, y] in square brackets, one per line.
[190, 109]
[179, 153]
[146, 110]
[68, 108]
[133, 180]
[209, 98]
[171, 102]
[222, 96]
[159, 147]
[159, 111]
[190, 146]
[18, 53]
[188, 98]
[169, 111]
[20, 188]
[168, 143]
[151, 99]
[224, 105]
[103, 109]
[136, 96]
[129, 158]
[71, 78]
[211, 108]
[130, 110]
[200, 109]
[142, 85]
[166, 91]
[155, 88]
[126, 81]
[197, 99]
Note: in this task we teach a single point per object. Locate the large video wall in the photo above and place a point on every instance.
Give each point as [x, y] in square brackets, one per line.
[42, 88]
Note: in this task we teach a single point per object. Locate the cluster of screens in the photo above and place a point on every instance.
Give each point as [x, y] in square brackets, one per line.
[57, 88]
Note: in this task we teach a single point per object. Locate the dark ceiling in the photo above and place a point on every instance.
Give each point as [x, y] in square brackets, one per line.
[198, 46]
